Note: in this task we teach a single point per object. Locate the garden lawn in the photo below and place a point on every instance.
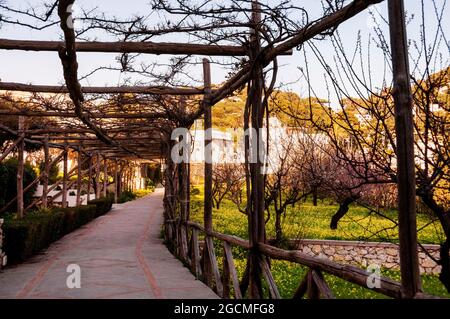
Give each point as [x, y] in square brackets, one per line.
[308, 221]
[313, 222]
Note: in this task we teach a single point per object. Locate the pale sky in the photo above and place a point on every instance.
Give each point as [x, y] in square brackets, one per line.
[45, 68]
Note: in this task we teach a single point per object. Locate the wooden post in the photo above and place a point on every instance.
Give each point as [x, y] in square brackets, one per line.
[97, 176]
[207, 125]
[256, 200]
[404, 127]
[119, 181]
[129, 183]
[125, 179]
[64, 184]
[20, 168]
[131, 178]
[89, 178]
[79, 177]
[116, 181]
[105, 176]
[46, 172]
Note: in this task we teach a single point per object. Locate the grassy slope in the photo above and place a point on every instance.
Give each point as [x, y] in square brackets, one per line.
[308, 221]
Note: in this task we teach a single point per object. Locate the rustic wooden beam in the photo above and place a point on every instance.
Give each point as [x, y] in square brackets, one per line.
[229, 263]
[116, 186]
[35, 142]
[313, 291]
[404, 128]
[119, 181]
[105, 175]
[388, 286]
[156, 90]
[255, 199]
[267, 273]
[195, 259]
[209, 246]
[85, 130]
[321, 284]
[11, 148]
[97, 175]
[65, 177]
[79, 160]
[302, 288]
[20, 167]
[69, 185]
[88, 139]
[46, 173]
[29, 186]
[89, 178]
[207, 123]
[350, 273]
[232, 240]
[128, 47]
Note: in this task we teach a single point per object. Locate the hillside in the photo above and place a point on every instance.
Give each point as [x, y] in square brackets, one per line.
[229, 113]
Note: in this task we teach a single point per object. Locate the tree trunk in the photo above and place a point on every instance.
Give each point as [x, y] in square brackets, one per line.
[278, 228]
[314, 194]
[343, 209]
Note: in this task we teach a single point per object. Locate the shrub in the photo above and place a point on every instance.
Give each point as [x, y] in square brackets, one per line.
[53, 173]
[126, 196]
[153, 174]
[27, 236]
[103, 204]
[143, 192]
[8, 182]
[75, 217]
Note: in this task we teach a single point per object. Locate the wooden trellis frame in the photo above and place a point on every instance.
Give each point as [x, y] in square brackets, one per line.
[183, 234]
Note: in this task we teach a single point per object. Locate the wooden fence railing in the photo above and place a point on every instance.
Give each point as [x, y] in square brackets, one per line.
[202, 260]
[2, 254]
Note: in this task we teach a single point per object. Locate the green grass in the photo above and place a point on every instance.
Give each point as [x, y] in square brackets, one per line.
[313, 222]
[307, 221]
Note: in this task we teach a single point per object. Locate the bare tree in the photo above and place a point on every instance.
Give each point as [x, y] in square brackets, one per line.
[228, 182]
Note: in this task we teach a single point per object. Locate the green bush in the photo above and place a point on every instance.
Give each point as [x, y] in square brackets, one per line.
[75, 217]
[153, 174]
[103, 204]
[126, 196]
[8, 182]
[25, 237]
[53, 173]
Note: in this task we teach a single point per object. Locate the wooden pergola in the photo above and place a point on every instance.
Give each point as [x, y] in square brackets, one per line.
[143, 132]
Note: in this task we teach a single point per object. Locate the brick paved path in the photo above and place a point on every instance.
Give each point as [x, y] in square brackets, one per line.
[120, 256]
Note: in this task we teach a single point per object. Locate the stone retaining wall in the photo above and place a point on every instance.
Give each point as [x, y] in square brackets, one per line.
[2, 254]
[366, 253]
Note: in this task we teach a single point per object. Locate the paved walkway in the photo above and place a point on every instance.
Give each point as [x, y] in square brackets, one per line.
[120, 255]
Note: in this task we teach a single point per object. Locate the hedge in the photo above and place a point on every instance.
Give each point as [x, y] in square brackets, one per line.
[8, 183]
[104, 204]
[25, 237]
